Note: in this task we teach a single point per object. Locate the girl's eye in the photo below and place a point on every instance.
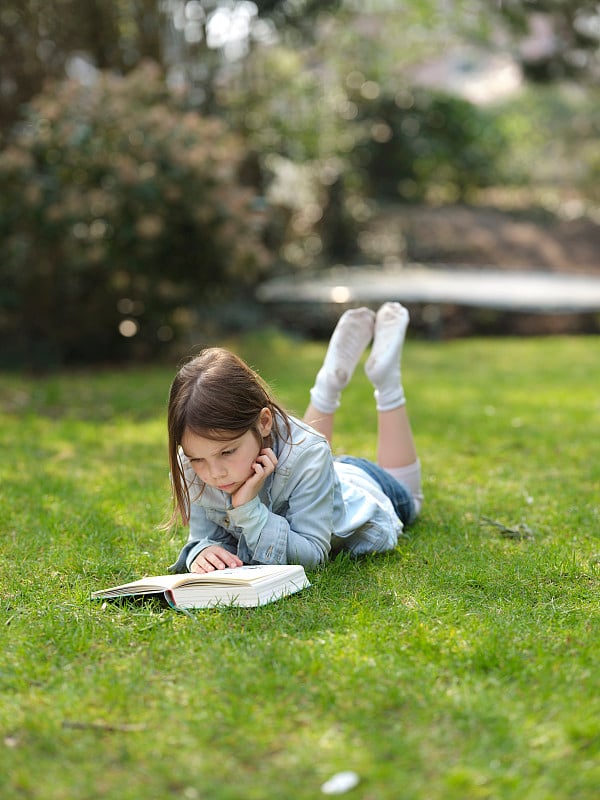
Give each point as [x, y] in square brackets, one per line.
[228, 452]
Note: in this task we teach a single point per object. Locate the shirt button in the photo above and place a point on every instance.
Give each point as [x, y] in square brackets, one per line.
[226, 521]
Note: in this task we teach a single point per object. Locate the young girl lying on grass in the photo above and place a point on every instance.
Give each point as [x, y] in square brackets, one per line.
[258, 486]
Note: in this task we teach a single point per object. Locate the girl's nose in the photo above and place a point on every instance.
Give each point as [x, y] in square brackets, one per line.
[217, 472]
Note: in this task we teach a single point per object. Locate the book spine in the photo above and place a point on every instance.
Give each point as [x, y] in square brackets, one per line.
[170, 598]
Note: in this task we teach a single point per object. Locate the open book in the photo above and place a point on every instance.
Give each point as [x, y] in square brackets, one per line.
[240, 586]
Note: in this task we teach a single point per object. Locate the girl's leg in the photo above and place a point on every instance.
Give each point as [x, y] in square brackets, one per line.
[396, 450]
[395, 443]
[352, 334]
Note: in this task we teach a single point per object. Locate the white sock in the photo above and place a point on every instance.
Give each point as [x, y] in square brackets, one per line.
[410, 476]
[352, 334]
[383, 365]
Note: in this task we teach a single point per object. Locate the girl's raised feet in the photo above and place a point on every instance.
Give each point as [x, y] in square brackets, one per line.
[352, 334]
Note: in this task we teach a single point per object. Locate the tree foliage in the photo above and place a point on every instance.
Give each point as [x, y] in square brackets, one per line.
[571, 37]
[39, 37]
[122, 200]
[417, 140]
[120, 213]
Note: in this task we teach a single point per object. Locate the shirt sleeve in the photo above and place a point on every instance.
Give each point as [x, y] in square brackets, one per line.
[203, 532]
[301, 532]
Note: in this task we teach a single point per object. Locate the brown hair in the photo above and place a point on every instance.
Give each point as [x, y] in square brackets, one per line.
[218, 396]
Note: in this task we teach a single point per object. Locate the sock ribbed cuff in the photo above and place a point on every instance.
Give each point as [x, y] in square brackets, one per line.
[387, 400]
[326, 404]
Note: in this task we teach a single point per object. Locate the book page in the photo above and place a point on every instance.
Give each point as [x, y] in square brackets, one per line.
[241, 575]
[231, 576]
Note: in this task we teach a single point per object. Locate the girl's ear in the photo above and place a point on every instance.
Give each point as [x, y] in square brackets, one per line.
[265, 421]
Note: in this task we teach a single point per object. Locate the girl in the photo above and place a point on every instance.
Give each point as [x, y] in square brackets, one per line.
[258, 486]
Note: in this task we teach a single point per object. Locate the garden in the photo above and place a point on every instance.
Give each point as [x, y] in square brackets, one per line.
[158, 162]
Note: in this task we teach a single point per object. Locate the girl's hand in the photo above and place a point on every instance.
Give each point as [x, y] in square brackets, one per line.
[264, 466]
[214, 557]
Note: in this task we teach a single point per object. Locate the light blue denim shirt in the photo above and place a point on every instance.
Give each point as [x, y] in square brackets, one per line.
[307, 509]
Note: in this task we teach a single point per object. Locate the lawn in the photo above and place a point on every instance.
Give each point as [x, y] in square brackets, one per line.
[462, 665]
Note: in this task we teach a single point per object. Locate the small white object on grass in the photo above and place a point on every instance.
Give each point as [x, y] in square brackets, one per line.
[340, 782]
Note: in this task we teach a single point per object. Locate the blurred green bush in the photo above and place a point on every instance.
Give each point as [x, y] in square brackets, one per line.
[120, 213]
[419, 139]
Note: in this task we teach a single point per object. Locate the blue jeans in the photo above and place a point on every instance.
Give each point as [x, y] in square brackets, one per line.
[398, 493]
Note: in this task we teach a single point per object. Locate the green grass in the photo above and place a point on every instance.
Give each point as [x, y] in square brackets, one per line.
[463, 665]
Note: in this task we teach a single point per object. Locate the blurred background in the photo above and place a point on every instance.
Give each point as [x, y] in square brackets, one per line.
[162, 160]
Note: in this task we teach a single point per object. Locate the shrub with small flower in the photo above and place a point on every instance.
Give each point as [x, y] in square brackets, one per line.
[120, 214]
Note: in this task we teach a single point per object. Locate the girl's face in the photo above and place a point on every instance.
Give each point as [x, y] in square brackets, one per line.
[226, 464]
